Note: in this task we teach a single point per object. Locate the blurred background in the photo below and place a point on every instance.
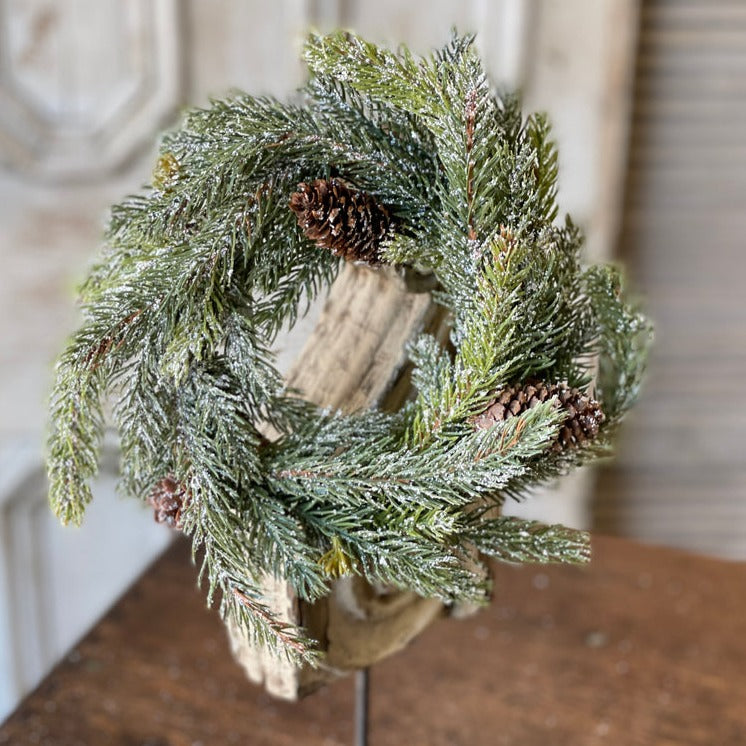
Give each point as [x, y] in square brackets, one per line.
[648, 102]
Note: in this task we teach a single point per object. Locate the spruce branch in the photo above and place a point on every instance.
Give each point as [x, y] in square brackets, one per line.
[624, 337]
[74, 441]
[278, 629]
[511, 539]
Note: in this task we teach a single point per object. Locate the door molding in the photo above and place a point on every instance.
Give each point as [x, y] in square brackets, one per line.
[84, 84]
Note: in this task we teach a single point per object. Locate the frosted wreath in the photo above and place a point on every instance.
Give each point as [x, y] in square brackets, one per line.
[389, 159]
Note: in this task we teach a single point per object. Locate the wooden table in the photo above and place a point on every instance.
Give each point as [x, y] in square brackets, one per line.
[645, 646]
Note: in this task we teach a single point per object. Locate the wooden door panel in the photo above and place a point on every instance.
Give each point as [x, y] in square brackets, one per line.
[84, 84]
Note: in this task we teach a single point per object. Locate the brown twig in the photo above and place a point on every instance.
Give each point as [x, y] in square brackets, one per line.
[516, 436]
[110, 342]
[277, 627]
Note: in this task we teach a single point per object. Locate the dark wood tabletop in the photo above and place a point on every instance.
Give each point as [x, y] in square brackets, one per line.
[644, 646]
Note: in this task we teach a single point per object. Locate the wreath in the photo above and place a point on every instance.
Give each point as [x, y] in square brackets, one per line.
[389, 159]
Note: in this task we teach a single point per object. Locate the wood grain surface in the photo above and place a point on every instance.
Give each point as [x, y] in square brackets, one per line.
[644, 646]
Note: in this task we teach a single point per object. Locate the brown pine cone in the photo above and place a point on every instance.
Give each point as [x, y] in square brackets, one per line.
[167, 500]
[584, 415]
[350, 223]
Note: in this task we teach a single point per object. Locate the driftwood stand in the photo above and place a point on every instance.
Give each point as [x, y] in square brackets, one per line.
[354, 359]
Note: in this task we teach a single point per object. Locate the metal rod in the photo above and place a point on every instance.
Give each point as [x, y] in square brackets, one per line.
[362, 692]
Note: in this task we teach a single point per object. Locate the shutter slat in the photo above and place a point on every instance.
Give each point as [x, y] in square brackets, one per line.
[680, 476]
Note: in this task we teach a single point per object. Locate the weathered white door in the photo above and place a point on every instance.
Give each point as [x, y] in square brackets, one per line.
[85, 85]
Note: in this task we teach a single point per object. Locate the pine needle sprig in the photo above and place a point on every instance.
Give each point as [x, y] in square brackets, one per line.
[74, 440]
[511, 539]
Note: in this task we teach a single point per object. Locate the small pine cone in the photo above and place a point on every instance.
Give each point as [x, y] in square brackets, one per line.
[351, 224]
[584, 415]
[167, 500]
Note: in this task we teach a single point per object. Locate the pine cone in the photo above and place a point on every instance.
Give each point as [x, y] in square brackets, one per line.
[167, 500]
[584, 415]
[350, 223]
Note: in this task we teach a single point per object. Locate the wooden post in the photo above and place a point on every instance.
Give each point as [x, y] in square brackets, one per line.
[354, 359]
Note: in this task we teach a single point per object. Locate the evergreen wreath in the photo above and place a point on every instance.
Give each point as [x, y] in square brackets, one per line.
[390, 159]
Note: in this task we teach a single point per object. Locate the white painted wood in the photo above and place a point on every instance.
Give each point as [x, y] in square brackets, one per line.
[581, 72]
[249, 45]
[58, 581]
[66, 72]
[505, 30]
[423, 26]
[17, 460]
[86, 82]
